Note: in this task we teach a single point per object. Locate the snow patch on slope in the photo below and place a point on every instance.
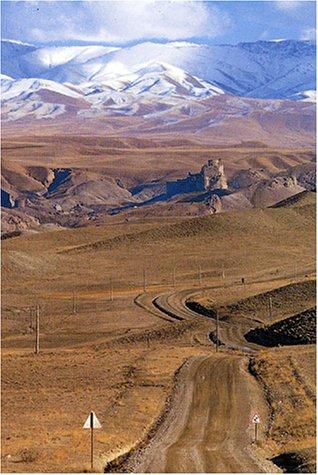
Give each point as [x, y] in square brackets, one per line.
[266, 69]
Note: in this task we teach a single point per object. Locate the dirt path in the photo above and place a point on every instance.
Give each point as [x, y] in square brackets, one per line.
[208, 426]
[212, 431]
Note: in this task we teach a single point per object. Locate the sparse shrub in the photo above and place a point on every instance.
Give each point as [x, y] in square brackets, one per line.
[29, 455]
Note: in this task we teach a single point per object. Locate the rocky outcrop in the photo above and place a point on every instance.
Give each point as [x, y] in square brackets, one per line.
[246, 178]
[269, 192]
[214, 176]
[306, 176]
[215, 204]
[210, 178]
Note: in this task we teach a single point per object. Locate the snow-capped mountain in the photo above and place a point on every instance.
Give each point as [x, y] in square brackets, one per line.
[154, 87]
[150, 77]
[264, 69]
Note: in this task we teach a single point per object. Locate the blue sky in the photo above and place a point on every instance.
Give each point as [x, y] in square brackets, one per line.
[133, 21]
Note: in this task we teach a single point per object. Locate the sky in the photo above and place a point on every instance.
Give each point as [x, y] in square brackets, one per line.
[133, 21]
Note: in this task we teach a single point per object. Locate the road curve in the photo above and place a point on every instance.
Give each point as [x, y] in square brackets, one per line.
[208, 425]
[231, 332]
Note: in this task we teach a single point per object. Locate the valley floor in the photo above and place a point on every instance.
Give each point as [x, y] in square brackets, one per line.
[121, 357]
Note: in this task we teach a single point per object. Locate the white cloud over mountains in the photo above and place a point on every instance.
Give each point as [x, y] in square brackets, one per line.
[288, 5]
[308, 34]
[116, 21]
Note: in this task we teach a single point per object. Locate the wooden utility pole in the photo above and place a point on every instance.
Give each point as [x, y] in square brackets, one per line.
[270, 303]
[73, 302]
[144, 281]
[37, 333]
[111, 292]
[30, 316]
[200, 276]
[223, 272]
[217, 331]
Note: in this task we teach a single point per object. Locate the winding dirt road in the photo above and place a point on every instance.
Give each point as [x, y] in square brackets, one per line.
[208, 426]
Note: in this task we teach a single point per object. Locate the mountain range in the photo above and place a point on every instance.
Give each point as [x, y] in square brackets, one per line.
[151, 79]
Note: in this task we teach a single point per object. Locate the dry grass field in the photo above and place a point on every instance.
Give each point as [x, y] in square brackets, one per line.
[116, 358]
[288, 377]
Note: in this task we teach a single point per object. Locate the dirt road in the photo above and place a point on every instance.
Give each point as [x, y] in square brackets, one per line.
[208, 426]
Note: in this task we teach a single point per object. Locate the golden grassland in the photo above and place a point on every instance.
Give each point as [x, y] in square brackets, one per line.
[84, 363]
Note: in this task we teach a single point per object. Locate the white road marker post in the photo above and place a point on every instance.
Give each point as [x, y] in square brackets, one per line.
[256, 420]
[92, 423]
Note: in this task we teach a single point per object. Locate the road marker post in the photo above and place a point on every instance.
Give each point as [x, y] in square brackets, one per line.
[256, 420]
[92, 423]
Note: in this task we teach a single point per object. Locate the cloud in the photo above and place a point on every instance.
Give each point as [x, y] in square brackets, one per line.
[288, 5]
[308, 34]
[113, 21]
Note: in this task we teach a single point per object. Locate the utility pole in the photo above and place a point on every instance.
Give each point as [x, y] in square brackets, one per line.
[73, 301]
[217, 331]
[144, 281]
[295, 271]
[111, 292]
[37, 335]
[174, 277]
[200, 276]
[270, 308]
[30, 316]
[223, 272]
